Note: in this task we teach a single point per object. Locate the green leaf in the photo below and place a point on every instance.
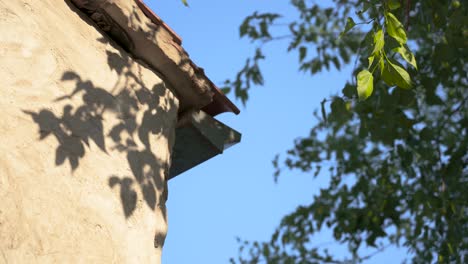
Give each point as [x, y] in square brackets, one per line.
[393, 4]
[407, 55]
[395, 28]
[336, 62]
[403, 79]
[365, 84]
[185, 2]
[394, 74]
[450, 248]
[324, 113]
[371, 60]
[343, 54]
[381, 64]
[243, 28]
[379, 41]
[302, 53]
[225, 90]
[349, 25]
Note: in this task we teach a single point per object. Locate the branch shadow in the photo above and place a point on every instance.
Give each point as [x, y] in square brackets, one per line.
[139, 111]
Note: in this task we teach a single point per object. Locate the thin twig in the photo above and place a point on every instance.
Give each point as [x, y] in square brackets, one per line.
[375, 252]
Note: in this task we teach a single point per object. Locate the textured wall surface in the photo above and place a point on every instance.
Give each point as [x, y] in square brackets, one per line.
[85, 139]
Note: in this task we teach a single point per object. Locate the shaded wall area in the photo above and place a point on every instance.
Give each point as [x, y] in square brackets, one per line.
[86, 137]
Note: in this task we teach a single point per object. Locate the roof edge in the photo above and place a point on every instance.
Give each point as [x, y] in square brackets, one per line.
[220, 103]
[143, 34]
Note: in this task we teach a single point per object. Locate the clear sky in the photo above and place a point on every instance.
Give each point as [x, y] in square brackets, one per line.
[234, 195]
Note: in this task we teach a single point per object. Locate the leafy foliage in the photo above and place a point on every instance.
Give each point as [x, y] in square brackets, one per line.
[397, 138]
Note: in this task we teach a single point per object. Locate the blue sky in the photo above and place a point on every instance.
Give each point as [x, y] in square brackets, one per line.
[234, 195]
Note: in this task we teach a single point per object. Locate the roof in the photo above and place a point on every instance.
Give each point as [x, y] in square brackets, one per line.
[140, 32]
[154, 42]
[220, 103]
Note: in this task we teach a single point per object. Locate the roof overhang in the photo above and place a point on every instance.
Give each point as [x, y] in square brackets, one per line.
[199, 137]
[143, 34]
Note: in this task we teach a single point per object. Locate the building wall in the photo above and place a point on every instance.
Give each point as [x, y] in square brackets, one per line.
[86, 134]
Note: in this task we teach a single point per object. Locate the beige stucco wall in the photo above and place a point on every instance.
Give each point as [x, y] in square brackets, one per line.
[85, 140]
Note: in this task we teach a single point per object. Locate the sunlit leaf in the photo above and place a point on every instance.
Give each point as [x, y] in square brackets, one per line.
[365, 84]
[395, 28]
[378, 41]
[371, 60]
[381, 64]
[407, 55]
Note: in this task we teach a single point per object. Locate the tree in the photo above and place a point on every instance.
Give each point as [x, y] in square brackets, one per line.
[396, 136]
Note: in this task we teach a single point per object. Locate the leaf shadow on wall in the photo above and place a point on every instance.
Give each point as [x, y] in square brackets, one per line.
[140, 114]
